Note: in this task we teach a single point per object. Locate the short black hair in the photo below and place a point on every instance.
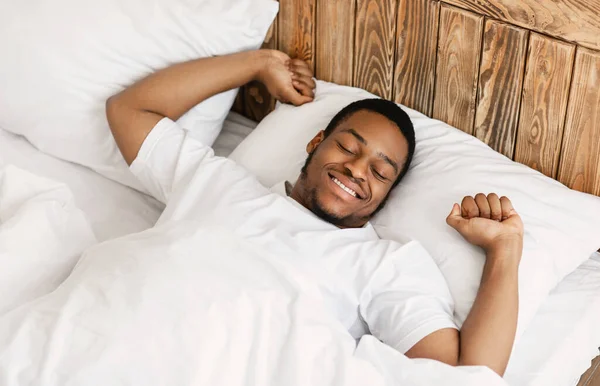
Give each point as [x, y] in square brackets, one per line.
[391, 111]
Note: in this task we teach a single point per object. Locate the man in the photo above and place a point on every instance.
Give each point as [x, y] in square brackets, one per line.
[393, 291]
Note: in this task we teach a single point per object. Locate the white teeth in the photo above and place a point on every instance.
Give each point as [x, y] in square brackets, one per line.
[347, 189]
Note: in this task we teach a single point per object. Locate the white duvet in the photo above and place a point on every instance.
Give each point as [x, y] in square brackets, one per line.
[42, 235]
[185, 305]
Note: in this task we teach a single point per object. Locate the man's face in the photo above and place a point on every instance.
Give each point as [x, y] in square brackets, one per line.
[350, 173]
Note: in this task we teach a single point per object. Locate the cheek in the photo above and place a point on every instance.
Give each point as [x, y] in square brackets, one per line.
[328, 153]
[380, 192]
[319, 160]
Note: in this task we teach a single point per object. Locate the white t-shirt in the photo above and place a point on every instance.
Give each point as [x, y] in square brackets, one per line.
[394, 291]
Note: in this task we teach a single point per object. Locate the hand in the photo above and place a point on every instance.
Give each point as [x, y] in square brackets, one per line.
[488, 222]
[288, 80]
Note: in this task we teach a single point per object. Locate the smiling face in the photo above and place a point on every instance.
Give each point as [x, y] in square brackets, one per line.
[350, 172]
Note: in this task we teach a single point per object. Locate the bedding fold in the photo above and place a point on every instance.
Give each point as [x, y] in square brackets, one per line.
[209, 309]
[42, 235]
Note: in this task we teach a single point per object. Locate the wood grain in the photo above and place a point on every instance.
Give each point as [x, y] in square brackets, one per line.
[500, 83]
[592, 376]
[374, 46]
[573, 20]
[335, 41]
[459, 49]
[297, 29]
[544, 103]
[416, 52]
[580, 159]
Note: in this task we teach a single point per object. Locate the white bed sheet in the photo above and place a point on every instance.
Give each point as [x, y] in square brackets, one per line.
[555, 350]
[113, 210]
[564, 336]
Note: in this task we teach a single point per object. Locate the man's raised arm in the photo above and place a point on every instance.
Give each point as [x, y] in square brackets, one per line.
[171, 92]
[488, 333]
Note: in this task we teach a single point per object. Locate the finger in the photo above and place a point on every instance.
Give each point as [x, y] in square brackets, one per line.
[301, 68]
[310, 82]
[507, 208]
[455, 219]
[469, 208]
[296, 98]
[303, 89]
[483, 205]
[298, 62]
[495, 206]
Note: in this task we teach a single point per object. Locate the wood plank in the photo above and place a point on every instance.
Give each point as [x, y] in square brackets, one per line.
[592, 376]
[544, 103]
[459, 50]
[374, 46]
[297, 29]
[573, 20]
[335, 41]
[500, 84]
[238, 103]
[580, 159]
[416, 52]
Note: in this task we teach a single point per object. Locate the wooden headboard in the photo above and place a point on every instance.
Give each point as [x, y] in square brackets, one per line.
[521, 75]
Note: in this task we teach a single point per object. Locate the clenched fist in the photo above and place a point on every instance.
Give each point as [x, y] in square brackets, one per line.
[288, 80]
[488, 221]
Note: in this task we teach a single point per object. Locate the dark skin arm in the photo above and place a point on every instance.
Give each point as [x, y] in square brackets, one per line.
[488, 333]
[172, 91]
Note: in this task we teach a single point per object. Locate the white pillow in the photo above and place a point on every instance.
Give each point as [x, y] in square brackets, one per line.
[62, 59]
[562, 226]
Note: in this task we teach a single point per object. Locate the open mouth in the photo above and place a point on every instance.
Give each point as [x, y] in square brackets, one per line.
[344, 187]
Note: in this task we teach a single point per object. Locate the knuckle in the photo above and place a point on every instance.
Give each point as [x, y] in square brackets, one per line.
[472, 212]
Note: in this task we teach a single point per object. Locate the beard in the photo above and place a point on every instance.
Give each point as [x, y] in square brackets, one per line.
[319, 209]
[324, 214]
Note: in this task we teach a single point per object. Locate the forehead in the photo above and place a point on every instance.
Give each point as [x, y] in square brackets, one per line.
[381, 134]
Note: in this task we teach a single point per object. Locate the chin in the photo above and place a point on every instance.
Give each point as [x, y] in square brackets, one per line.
[334, 207]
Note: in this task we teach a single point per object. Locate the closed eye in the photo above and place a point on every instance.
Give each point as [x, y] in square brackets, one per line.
[345, 150]
[379, 175]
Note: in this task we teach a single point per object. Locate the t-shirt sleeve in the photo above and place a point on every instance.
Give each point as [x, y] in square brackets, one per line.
[407, 298]
[167, 158]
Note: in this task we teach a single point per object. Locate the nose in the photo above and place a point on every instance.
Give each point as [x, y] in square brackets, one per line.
[357, 168]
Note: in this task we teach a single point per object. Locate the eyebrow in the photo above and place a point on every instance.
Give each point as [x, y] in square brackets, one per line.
[389, 161]
[358, 136]
[362, 140]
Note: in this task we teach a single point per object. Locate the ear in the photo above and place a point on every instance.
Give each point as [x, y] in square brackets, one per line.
[312, 145]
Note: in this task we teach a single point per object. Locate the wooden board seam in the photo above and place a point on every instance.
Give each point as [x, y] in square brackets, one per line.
[518, 123]
[437, 56]
[481, 47]
[570, 91]
[539, 31]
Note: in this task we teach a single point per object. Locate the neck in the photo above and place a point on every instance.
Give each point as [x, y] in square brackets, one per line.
[298, 193]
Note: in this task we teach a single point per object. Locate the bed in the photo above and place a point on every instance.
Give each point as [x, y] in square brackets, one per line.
[522, 76]
[555, 350]
[447, 59]
[118, 210]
